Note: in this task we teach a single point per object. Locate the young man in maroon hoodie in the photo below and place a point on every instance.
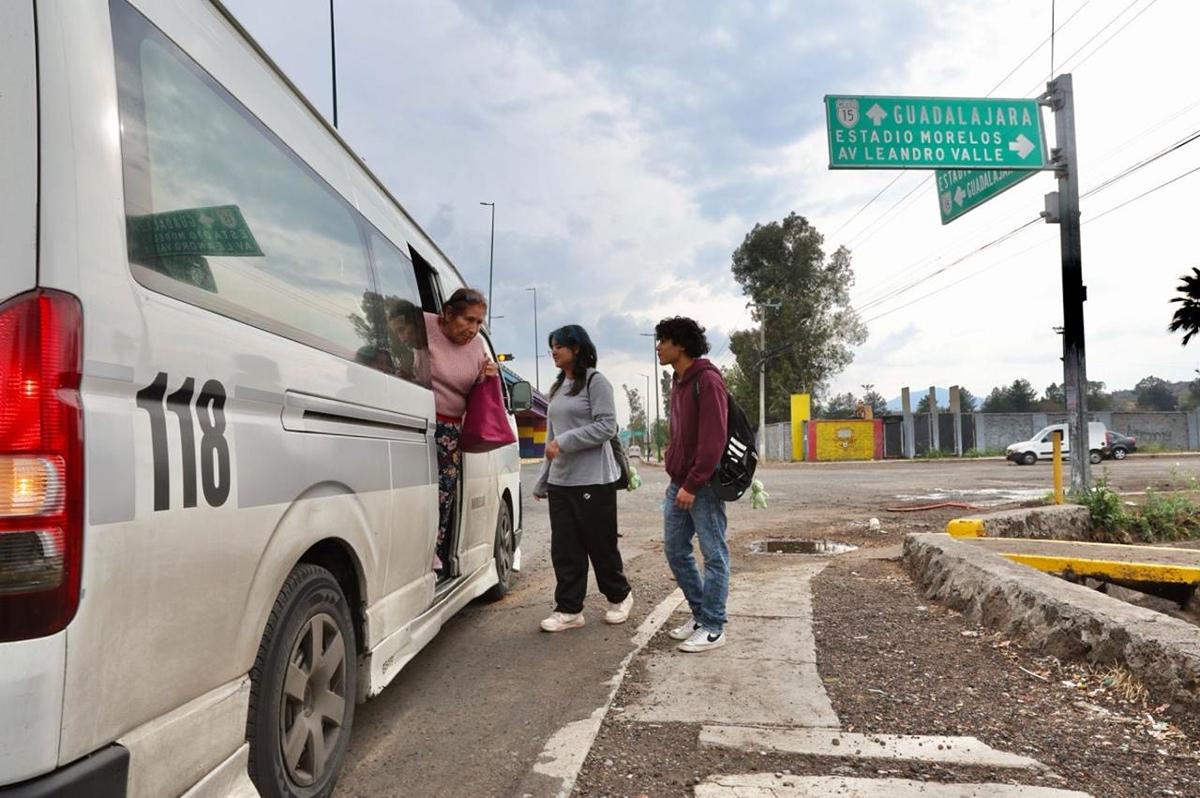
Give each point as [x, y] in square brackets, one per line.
[692, 509]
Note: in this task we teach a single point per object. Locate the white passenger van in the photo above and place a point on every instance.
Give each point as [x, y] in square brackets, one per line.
[218, 487]
[1041, 445]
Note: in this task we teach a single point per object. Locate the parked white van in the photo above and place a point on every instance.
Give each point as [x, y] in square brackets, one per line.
[218, 487]
[1041, 445]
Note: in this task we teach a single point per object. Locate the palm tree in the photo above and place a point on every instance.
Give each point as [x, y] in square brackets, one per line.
[1187, 315]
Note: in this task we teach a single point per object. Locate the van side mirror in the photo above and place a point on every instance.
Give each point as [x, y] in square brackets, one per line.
[520, 396]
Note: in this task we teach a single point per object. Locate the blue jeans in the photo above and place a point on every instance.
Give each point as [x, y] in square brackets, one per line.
[706, 520]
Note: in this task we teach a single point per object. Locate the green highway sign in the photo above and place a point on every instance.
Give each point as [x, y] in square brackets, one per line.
[962, 190]
[868, 132]
[217, 230]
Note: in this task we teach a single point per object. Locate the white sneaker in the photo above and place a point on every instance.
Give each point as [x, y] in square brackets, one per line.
[619, 613]
[702, 640]
[684, 630]
[562, 621]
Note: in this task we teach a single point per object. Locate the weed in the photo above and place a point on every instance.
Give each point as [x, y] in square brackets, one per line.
[1165, 517]
[1110, 521]
[984, 453]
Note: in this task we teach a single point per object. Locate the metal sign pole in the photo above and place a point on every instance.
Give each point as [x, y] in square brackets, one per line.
[1060, 96]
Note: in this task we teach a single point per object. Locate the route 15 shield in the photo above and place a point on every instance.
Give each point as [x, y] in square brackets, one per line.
[847, 112]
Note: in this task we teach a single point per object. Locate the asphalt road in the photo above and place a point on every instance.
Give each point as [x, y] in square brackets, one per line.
[471, 714]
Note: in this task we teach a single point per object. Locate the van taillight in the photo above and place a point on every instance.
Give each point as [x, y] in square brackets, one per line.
[41, 463]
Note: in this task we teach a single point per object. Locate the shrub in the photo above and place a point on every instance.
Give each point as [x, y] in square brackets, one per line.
[1165, 517]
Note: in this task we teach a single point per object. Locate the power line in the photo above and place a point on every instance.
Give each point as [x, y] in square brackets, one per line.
[891, 183]
[1143, 194]
[1101, 215]
[1083, 60]
[1095, 190]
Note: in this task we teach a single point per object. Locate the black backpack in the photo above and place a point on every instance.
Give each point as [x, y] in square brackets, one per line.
[614, 443]
[739, 458]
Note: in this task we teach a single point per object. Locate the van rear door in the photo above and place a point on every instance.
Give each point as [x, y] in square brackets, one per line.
[19, 153]
[31, 670]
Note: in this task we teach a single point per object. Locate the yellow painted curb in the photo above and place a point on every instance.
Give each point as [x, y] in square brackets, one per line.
[966, 528]
[1129, 571]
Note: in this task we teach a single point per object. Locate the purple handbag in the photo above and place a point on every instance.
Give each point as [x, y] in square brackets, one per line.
[486, 426]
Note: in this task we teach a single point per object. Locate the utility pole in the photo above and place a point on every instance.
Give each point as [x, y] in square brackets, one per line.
[761, 443]
[333, 61]
[657, 372]
[1062, 207]
[537, 376]
[646, 453]
[491, 260]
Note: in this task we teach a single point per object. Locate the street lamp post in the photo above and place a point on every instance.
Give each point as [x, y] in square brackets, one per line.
[537, 379]
[762, 371]
[491, 257]
[646, 437]
[657, 403]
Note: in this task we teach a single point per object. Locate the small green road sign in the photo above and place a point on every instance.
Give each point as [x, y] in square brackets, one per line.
[962, 190]
[868, 132]
[217, 230]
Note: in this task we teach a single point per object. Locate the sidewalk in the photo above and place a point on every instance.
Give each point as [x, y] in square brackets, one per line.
[756, 718]
[762, 697]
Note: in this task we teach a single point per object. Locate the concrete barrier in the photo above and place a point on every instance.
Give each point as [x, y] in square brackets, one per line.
[1063, 619]
[1053, 522]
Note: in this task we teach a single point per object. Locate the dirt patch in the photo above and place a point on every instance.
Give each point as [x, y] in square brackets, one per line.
[893, 663]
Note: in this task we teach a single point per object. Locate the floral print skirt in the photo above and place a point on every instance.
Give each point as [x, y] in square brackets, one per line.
[449, 467]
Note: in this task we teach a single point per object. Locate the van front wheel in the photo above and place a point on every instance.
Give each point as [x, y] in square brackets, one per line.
[302, 689]
[504, 553]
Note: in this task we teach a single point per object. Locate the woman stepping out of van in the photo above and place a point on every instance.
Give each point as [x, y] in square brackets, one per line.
[579, 475]
[457, 362]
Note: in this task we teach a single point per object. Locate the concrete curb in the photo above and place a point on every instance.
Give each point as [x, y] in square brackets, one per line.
[1052, 522]
[1063, 619]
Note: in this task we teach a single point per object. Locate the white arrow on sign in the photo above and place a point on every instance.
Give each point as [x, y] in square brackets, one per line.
[960, 195]
[1022, 146]
[877, 114]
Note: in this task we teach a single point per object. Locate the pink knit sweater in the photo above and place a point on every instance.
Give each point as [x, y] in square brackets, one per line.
[455, 369]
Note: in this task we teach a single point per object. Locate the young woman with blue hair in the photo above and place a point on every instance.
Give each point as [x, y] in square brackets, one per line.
[579, 476]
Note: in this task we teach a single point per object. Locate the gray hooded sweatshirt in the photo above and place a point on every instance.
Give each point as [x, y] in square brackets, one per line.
[582, 424]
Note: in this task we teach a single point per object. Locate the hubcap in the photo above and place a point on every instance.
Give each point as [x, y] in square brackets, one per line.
[504, 557]
[314, 700]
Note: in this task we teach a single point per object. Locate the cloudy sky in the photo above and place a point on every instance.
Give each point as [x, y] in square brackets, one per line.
[630, 146]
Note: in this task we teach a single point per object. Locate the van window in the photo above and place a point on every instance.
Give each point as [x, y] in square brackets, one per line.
[398, 305]
[221, 214]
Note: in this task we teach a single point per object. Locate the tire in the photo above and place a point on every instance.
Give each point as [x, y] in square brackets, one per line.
[1119, 453]
[299, 694]
[1094, 456]
[1029, 458]
[504, 551]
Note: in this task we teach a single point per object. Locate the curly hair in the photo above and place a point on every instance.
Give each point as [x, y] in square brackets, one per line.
[684, 333]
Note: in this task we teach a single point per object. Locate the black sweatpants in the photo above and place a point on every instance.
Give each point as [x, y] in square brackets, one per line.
[583, 526]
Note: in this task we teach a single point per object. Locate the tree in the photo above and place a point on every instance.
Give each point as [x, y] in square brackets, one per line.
[1153, 393]
[840, 405]
[665, 383]
[1192, 400]
[1187, 315]
[637, 412]
[923, 405]
[1018, 397]
[1056, 395]
[874, 400]
[966, 401]
[811, 336]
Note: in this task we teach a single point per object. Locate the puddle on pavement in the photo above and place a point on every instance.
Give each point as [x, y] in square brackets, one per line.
[796, 546]
[981, 497]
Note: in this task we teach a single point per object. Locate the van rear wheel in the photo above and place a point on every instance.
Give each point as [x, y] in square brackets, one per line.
[504, 553]
[302, 689]
[1094, 456]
